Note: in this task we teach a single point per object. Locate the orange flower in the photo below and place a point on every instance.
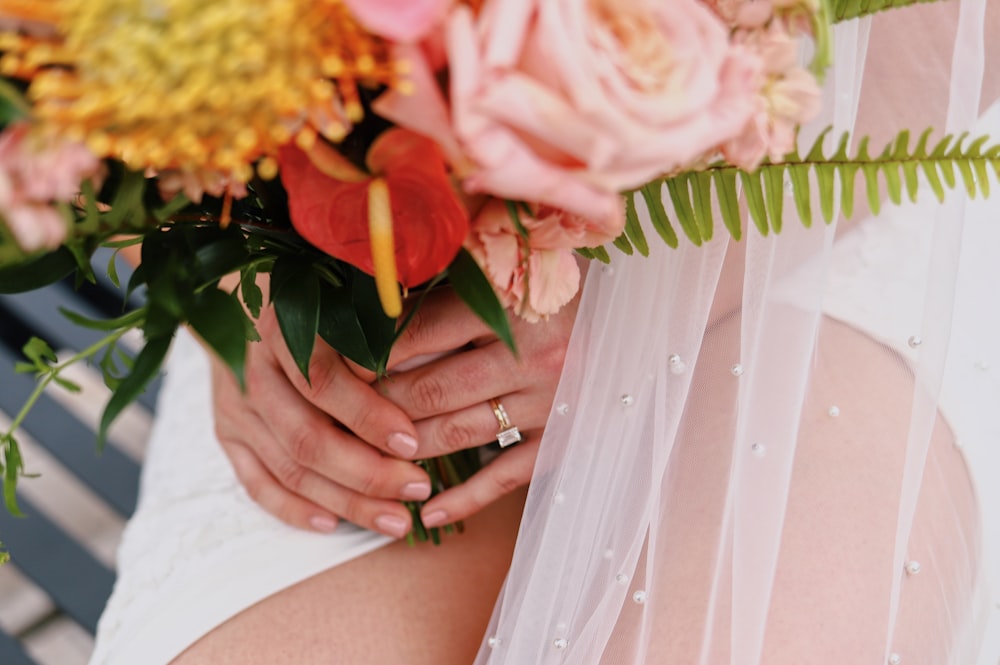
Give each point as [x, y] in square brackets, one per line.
[402, 223]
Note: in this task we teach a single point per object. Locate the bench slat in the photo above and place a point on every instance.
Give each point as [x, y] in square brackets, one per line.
[111, 475]
[11, 652]
[68, 573]
[39, 311]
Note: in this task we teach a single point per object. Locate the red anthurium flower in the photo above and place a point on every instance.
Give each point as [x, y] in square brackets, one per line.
[415, 219]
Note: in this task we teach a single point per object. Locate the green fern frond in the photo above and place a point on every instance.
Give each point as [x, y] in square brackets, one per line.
[844, 10]
[950, 162]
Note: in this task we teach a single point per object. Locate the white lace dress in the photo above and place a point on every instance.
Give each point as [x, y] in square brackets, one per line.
[198, 550]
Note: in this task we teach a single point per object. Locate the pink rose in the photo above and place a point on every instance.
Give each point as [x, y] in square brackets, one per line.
[568, 102]
[398, 20]
[549, 277]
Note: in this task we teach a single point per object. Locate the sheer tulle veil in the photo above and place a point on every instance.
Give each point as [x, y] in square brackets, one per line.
[787, 449]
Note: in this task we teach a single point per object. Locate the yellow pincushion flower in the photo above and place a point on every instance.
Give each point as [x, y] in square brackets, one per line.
[200, 86]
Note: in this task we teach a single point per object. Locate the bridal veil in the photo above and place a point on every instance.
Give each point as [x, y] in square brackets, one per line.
[787, 449]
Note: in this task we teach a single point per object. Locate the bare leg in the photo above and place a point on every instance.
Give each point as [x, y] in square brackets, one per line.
[397, 605]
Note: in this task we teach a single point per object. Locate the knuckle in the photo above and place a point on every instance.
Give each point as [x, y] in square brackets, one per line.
[457, 436]
[369, 481]
[364, 420]
[419, 330]
[302, 447]
[353, 508]
[428, 394]
[291, 475]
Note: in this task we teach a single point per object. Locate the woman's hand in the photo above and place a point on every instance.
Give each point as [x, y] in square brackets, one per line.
[283, 439]
[448, 398]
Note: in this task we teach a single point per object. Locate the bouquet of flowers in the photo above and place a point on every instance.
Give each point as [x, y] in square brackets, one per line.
[353, 151]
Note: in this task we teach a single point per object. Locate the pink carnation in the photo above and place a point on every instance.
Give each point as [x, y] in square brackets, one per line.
[539, 279]
[788, 96]
[568, 102]
[36, 171]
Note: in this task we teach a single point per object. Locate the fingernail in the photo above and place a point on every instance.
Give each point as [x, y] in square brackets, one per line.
[415, 491]
[402, 444]
[392, 525]
[434, 518]
[324, 524]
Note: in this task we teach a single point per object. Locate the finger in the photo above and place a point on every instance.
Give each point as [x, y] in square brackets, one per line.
[510, 470]
[458, 381]
[308, 438]
[386, 516]
[336, 391]
[442, 323]
[478, 424]
[270, 495]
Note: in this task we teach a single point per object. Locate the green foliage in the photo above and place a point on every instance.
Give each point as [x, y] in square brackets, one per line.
[37, 271]
[843, 10]
[950, 162]
[472, 286]
[13, 105]
[295, 294]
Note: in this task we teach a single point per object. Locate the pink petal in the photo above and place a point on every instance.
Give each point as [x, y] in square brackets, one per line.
[399, 20]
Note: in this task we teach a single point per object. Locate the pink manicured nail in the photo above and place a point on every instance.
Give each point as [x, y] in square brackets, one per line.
[435, 518]
[415, 491]
[392, 525]
[402, 444]
[324, 524]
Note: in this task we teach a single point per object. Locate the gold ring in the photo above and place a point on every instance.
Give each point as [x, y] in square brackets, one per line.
[508, 434]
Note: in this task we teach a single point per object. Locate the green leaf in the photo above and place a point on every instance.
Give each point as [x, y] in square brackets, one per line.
[680, 196]
[623, 244]
[725, 189]
[253, 297]
[129, 320]
[930, 170]
[701, 188]
[893, 183]
[633, 229]
[13, 105]
[965, 169]
[657, 213]
[799, 175]
[755, 200]
[774, 189]
[126, 207]
[171, 208]
[37, 271]
[379, 329]
[112, 270]
[147, 364]
[13, 466]
[340, 328]
[220, 321]
[219, 257]
[843, 10]
[601, 255]
[67, 385]
[825, 177]
[38, 351]
[472, 286]
[295, 295]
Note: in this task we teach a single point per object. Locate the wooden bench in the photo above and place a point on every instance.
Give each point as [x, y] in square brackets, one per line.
[43, 550]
